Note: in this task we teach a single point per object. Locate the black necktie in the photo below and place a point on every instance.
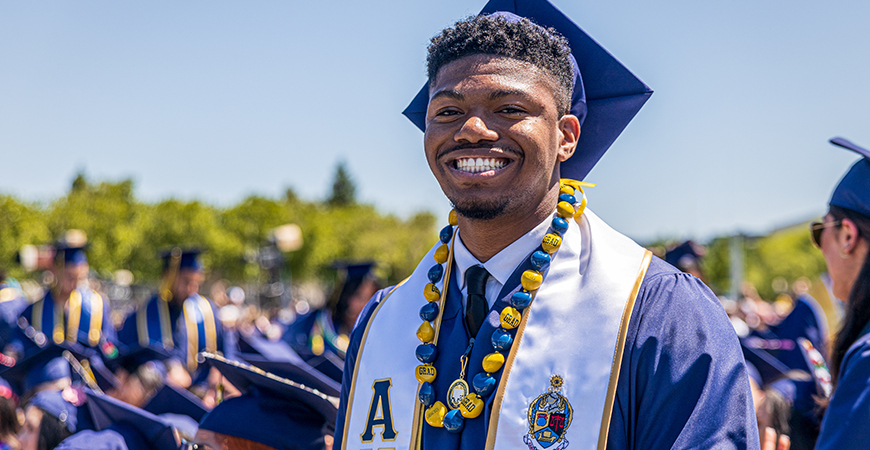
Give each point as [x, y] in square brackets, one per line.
[475, 305]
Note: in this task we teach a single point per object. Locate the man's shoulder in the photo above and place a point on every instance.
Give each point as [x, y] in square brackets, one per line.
[664, 286]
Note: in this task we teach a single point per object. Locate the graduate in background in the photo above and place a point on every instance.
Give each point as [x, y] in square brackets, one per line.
[177, 317]
[50, 417]
[9, 425]
[12, 302]
[844, 239]
[321, 337]
[70, 311]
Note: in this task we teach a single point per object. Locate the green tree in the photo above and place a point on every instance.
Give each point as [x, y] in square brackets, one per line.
[343, 188]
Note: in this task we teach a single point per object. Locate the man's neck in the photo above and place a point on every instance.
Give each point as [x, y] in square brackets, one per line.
[485, 238]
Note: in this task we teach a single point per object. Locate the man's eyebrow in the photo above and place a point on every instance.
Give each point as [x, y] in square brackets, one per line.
[449, 93]
[495, 95]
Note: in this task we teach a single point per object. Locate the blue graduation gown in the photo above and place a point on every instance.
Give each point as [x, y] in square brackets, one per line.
[49, 315]
[128, 335]
[683, 382]
[847, 420]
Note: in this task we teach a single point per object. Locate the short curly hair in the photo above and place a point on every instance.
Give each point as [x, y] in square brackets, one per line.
[522, 40]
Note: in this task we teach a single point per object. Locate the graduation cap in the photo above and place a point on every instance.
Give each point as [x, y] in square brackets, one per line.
[182, 259]
[278, 358]
[272, 410]
[683, 255]
[766, 366]
[140, 429]
[38, 365]
[175, 400]
[131, 358]
[64, 405]
[71, 247]
[606, 95]
[853, 191]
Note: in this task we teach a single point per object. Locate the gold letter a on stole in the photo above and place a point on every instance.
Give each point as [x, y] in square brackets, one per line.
[380, 413]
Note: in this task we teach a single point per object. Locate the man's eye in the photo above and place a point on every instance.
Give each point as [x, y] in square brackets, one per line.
[447, 112]
[512, 110]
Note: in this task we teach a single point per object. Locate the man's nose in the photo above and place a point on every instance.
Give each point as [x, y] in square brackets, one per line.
[475, 130]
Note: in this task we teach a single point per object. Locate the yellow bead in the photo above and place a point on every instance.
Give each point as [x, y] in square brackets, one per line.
[441, 254]
[431, 293]
[493, 362]
[471, 406]
[425, 372]
[566, 189]
[435, 414]
[565, 209]
[451, 219]
[551, 243]
[425, 333]
[531, 280]
[510, 318]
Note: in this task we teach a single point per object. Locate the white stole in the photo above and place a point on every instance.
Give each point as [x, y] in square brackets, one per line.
[572, 329]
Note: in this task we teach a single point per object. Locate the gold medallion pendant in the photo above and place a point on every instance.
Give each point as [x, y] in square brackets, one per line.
[456, 392]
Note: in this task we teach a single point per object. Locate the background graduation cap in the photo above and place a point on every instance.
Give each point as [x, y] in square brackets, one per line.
[131, 358]
[72, 247]
[766, 366]
[684, 255]
[606, 95]
[278, 358]
[64, 405]
[140, 429]
[38, 365]
[182, 258]
[174, 400]
[853, 191]
[272, 410]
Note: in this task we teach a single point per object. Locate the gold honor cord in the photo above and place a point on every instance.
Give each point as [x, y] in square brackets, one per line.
[192, 334]
[190, 321]
[164, 295]
[96, 319]
[75, 315]
[83, 369]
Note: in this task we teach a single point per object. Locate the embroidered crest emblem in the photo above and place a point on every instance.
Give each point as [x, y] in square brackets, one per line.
[550, 416]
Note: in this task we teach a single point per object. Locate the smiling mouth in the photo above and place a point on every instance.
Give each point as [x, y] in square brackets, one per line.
[479, 165]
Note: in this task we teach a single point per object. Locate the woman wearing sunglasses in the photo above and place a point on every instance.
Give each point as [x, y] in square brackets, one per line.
[844, 238]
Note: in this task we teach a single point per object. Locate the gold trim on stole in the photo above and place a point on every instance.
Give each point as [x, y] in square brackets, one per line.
[96, 325]
[75, 315]
[352, 389]
[617, 354]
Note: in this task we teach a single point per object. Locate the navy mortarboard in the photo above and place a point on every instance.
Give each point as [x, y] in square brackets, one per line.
[52, 415]
[174, 400]
[272, 410]
[139, 429]
[852, 191]
[606, 96]
[520, 105]
[38, 368]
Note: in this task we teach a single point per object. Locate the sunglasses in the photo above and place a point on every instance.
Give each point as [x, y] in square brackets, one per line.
[816, 229]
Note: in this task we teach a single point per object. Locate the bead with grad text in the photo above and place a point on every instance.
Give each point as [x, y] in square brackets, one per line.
[425, 373]
[510, 318]
[425, 333]
[493, 362]
[435, 414]
[431, 292]
[531, 280]
[551, 243]
[471, 406]
[441, 254]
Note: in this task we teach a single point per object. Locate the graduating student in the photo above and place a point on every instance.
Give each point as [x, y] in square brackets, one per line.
[537, 326]
[844, 239]
[177, 317]
[70, 311]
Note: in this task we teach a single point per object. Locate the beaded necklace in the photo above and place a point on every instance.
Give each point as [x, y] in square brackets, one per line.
[461, 403]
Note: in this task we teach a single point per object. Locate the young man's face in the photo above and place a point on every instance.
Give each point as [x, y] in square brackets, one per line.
[186, 283]
[501, 112]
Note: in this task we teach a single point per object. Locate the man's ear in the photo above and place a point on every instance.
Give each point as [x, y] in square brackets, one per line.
[848, 236]
[569, 128]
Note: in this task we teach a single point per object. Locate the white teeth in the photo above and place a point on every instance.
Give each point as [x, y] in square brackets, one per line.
[477, 165]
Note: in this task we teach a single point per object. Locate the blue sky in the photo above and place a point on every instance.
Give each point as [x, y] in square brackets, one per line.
[218, 100]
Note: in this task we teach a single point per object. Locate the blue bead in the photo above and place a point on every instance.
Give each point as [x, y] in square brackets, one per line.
[567, 198]
[446, 234]
[429, 311]
[540, 260]
[501, 340]
[435, 273]
[427, 394]
[483, 384]
[521, 299]
[426, 353]
[559, 225]
[453, 421]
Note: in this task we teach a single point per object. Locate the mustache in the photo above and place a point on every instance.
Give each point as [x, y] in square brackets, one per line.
[468, 145]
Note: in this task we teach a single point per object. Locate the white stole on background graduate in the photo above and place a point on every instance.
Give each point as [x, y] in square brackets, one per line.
[570, 333]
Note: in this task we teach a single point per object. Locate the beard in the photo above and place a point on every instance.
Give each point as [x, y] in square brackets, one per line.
[476, 209]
